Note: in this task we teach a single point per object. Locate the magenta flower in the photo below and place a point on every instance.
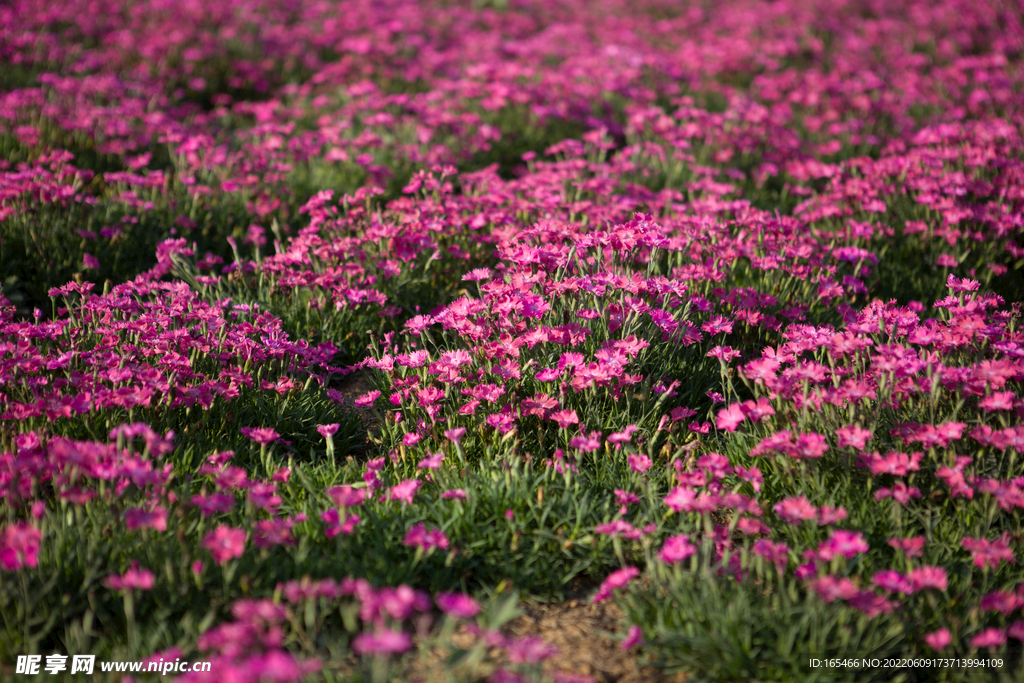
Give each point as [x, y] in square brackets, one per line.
[142, 579]
[634, 637]
[457, 605]
[989, 553]
[871, 604]
[730, 418]
[616, 528]
[938, 640]
[990, 637]
[681, 413]
[830, 515]
[911, 547]
[261, 435]
[140, 518]
[776, 553]
[624, 436]
[383, 641]
[564, 418]
[616, 579]
[404, 491]
[853, 436]
[1003, 602]
[676, 549]
[529, 651]
[639, 463]
[681, 498]
[431, 463]
[795, 510]
[928, 577]
[19, 546]
[830, 588]
[454, 434]
[419, 536]
[272, 532]
[328, 430]
[892, 580]
[345, 496]
[225, 543]
[336, 524]
[367, 399]
[846, 543]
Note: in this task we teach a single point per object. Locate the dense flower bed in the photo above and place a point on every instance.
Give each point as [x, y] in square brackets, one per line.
[710, 311]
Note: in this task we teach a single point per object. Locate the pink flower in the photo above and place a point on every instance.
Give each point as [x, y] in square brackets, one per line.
[955, 284]
[454, 434]
[345, 496]
[730, 418]
[141, 579]
[90, 261]
[830, 588]
[989, 553]
[776, 553]
[454, 493]
[634, 637]
[564, 418]
[404, 491]
[338, 525]
[853, 436]
[624, 436]
[676, 549]
[585, 443]
[892, 580]
[1003, 602]
[795, 510]
[756, 412]
[384, 641]
[431, 463]
[457, 605]
[830, 515]
[616, 579]
[261, 435]
[928, 577]
[871, 604]
[849, 544]
[901, 493]
[894, 463]
[19, 546]
[367, 399]
[911, 547]
[616, 528]
[681, 498]
[272, 532]
[140, 518]
[225, 543]
[997, 400]
[329, 430]
[419, 536]
[938, 640]
[681, 413]
[990, 637]
[529, 651]
[639, 463]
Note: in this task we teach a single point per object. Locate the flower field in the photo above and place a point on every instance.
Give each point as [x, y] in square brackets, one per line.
[337, 338]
